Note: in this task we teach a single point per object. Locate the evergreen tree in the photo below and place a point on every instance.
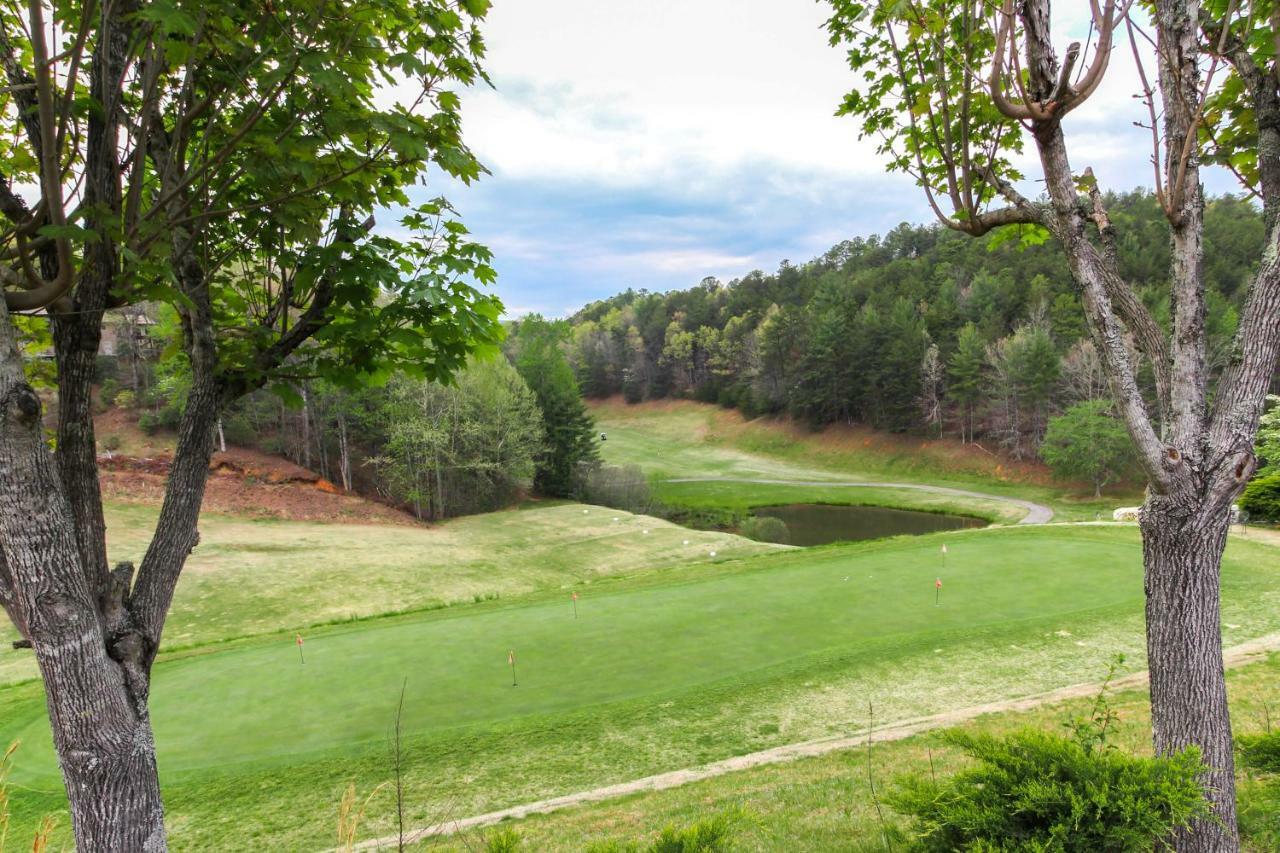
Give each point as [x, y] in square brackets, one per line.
[537, 351]
[966, 372]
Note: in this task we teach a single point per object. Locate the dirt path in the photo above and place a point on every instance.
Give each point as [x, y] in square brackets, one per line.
[1036, 513]
[1232, 657]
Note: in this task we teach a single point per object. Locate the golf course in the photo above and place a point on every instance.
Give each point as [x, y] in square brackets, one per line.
[562, 647]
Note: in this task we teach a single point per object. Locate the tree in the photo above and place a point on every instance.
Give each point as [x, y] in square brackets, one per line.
[966, 372]
[1088, 442]
[459, 448]
[536, 348]
[955, 89]
[223, 157]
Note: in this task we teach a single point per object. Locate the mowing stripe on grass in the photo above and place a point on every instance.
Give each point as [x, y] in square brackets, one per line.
[775, 615]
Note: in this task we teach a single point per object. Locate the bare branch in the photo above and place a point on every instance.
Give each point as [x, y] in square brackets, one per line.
[46, 292]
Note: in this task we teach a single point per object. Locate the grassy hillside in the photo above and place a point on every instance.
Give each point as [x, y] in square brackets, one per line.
[254, 576]
[680, 439]
[661, 670]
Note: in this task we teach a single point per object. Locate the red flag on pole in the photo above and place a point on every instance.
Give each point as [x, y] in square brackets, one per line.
[511, 659]
[938, 583]
[298, 640]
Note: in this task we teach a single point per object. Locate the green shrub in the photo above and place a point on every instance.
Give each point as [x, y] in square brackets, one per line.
[1260, 752]
[1034, 790]
[766, 528]
[622, 487]
[1261, 498]
[108, 390]
[110, 442]
[149, 422]
[124, 399]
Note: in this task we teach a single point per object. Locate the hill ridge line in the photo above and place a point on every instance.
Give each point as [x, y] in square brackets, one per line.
[1036, 513]
[1232, 657]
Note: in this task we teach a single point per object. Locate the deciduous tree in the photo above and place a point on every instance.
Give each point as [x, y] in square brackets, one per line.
[955, 90]
[224, 157]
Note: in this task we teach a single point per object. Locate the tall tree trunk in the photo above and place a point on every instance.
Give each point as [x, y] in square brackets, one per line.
[1183, 543]
[306, 429]
[101, 729]
[344, 453]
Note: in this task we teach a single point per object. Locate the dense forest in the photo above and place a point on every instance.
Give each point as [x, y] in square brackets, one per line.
[919, 330]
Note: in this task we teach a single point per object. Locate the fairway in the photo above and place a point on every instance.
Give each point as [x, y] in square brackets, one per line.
[262, 704]
[677, 440]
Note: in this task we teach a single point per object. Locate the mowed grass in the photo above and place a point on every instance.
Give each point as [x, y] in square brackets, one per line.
[678, 439]
[250, 577]
[828, 803]
[625, 644]
[660, 671]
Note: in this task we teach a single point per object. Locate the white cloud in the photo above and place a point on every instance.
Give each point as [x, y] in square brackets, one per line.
[651, 143]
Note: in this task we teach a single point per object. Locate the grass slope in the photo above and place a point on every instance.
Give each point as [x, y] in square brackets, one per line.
[827, 803]
[662, 670]
[674, 439]
[251, 577]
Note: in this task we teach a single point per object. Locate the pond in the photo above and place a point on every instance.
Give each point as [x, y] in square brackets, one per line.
[818, 524]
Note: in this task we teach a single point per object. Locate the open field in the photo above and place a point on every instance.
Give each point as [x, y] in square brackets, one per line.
[682, 439]
[662, 670]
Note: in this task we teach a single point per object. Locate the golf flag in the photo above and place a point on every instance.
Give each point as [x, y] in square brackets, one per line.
[575, 605]
[937, 592]
[298, 640]
[938, 583]
[511, 659]
[944, 547]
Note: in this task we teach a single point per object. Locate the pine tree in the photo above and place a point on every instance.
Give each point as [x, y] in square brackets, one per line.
[539, 357]
[966, 372]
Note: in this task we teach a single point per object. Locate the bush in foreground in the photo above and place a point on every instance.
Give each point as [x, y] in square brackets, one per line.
[1038, 791]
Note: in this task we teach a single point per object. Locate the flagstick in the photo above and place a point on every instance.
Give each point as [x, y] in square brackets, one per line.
[511, 656]
[937, 596]
[575, 605]
[301, 656]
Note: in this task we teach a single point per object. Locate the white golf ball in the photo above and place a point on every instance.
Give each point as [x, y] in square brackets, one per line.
[713, 553]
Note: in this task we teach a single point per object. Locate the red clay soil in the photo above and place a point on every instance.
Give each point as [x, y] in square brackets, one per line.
[241, 482]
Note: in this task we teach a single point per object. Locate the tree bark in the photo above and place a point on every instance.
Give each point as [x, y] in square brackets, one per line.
[101, 731]
[1183, 541]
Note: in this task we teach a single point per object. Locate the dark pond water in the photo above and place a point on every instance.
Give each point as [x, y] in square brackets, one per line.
[818, 524]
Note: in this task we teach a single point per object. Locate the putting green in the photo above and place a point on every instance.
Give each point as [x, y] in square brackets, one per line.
[775, 614]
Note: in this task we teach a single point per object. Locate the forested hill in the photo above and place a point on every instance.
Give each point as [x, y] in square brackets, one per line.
[921, 329]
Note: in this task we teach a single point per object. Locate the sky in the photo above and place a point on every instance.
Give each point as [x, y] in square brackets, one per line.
[650, 143]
